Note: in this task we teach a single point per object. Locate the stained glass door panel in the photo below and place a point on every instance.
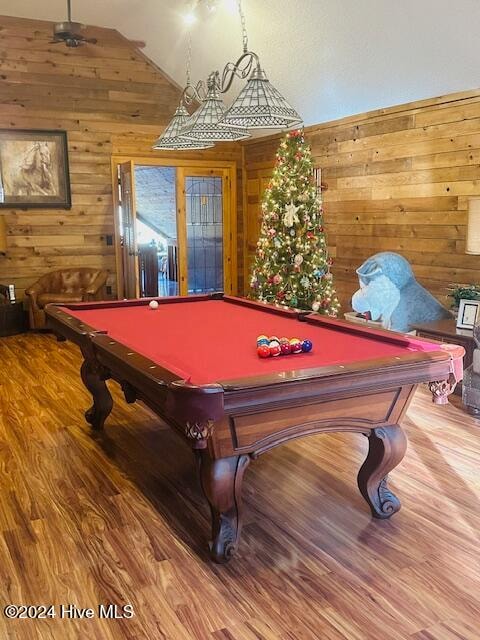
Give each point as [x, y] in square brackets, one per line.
[204, 218]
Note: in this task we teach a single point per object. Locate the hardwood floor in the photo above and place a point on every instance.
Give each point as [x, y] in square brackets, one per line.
[119, 517]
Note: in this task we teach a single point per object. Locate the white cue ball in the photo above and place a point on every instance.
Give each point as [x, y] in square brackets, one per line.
[153, 304]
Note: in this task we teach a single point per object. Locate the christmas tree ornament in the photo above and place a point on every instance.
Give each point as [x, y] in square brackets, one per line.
[298, 259]
[290, 216]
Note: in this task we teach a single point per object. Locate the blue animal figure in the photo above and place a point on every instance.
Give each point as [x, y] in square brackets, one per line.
[389, 291]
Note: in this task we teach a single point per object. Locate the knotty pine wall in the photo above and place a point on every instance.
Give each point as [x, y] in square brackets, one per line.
[111, 100]
[398, 180]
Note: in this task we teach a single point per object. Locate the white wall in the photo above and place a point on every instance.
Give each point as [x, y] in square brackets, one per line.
[330, 58]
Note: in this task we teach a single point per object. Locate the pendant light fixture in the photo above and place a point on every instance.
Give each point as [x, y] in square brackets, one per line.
[258, 106]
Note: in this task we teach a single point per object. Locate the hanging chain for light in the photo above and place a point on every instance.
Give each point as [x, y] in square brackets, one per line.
[189, 58]
[192, 93]
[242, 68]
[243, 24]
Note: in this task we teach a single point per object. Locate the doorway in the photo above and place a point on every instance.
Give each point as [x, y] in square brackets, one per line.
[175, 227]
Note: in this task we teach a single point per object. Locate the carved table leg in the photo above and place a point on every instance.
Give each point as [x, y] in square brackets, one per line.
[222, 485]
[102, 400]
[387, 446]
[441, 389]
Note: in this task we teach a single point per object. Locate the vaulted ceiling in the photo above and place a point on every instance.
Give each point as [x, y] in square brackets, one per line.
[330, 58]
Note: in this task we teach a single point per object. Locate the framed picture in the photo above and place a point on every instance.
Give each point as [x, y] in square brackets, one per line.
[34, 169]
[468, 313]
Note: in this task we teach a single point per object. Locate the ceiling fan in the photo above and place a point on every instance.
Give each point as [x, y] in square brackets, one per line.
[70, 32]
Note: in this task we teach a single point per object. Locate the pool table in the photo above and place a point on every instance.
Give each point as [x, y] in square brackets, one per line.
[193, 361]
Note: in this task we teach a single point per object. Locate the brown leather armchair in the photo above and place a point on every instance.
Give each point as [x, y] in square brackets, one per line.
[64, 286]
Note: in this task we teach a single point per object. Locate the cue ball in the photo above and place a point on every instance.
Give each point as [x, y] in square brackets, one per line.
[153, 304]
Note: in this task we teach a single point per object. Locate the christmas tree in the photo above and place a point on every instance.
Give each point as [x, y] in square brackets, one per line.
[291, 266]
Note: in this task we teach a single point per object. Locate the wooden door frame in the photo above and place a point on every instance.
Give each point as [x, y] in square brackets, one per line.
[229, 169]
[133, 215]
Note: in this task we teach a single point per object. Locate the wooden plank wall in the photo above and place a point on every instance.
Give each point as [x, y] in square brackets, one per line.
[111, 100]
[398, 180]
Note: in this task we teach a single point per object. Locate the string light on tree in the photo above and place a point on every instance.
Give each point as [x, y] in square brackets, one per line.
[291, 266]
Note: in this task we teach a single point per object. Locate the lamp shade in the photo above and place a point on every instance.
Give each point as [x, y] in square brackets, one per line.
[3, 235]
[203, 124]
[170, 140]
[260, 106]
[473, 227]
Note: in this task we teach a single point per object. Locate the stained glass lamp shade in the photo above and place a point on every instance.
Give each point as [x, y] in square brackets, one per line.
[260, 106]
[170, 139]
[203, 126]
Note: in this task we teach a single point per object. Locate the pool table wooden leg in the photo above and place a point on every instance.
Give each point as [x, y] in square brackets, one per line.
[221, 482]
[387, 446]
[102, 400]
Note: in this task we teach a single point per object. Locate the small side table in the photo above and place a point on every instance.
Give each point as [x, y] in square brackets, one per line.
[13, 319]
[446, 331]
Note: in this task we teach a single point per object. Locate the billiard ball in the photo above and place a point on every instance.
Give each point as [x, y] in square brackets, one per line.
[274, 339]
[262, 337]
[296, 345]
[274, 348]
[153, 304]
[284, 341]
[263, 351]
[307, 346]
[261, 341]
[285, 348]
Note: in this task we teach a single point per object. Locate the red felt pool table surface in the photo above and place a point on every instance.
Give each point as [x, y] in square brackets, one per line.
[215, 340]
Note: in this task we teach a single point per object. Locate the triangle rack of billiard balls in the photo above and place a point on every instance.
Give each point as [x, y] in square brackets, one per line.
[272, 346]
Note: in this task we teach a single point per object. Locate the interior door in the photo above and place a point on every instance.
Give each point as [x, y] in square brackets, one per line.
[205, 265]
[128, 234]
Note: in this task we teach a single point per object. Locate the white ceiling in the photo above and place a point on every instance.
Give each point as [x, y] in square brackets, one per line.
[330, 58]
